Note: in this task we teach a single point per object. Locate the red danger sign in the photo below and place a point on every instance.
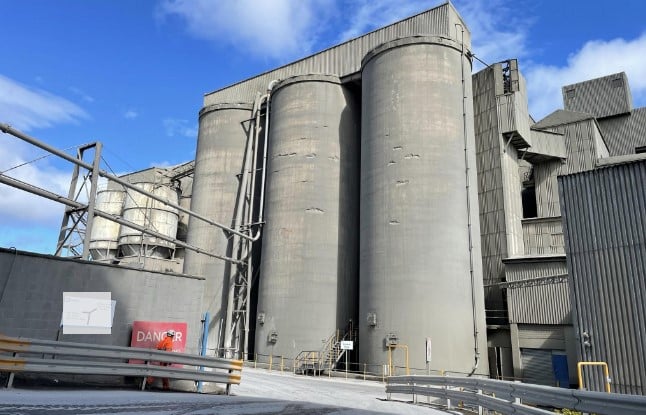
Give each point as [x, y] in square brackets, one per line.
[146, 335]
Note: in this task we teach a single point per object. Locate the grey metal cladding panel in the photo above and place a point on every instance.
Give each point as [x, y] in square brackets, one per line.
[345, 59]
[514, 117]
[601, 97]
[605, 230]
[623, 133]
[538, 304]
[543, 236]
[490, 182]
[545, 145]
[560, 117]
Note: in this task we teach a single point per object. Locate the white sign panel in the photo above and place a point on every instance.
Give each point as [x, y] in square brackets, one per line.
[87, 313]
[347, 345]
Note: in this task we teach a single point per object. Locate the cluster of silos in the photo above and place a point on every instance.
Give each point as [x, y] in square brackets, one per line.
[370, 210]
[149, 213]
[110, 241]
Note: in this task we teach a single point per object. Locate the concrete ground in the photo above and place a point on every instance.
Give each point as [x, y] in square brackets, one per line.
[260, 392]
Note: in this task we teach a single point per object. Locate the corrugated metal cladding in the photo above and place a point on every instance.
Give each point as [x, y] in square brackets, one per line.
[601, 97]
[605, 237]
[543, 236]
[345, 59]
[541, 302]
[514, 115]
[490, 181]
[624, 133]
[581, 139]
[546, 145]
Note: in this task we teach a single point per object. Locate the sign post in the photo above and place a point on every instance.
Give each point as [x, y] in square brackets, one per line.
[346, 345]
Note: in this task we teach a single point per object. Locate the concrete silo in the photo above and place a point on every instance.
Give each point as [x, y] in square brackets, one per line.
[144, 211]
[420, 261]
[104, 238]
[218, 164]
[309, 265]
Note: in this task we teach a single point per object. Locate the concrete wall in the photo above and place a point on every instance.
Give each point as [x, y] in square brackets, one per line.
[31, 300]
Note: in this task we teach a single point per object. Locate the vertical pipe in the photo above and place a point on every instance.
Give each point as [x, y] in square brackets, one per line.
[469, 230]
[205, 336]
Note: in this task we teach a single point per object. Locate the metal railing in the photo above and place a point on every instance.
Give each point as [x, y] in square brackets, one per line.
[30, 356]
[513, 397]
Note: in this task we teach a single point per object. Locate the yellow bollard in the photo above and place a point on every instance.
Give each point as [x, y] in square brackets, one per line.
[271, 357]
[281, 364]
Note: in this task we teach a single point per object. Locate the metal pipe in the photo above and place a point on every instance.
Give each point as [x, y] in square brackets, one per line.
[469, 224]
[10, 130]
[242, 195]
[58, 198]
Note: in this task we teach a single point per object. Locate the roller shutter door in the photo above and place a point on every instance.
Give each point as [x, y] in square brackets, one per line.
[537, 366]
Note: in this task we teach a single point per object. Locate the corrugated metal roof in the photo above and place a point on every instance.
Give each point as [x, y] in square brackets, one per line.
[561, 117]
[345, 59]
[605, 239]
[624, 133]
[601, 97]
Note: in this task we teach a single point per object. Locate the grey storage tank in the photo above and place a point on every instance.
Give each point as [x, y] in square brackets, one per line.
[104, 238]
[144, 211]
[219, 160]
[309, 265]
[419, 278]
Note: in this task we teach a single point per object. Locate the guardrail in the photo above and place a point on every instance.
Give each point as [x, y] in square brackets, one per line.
[29, 355]
[511, 397]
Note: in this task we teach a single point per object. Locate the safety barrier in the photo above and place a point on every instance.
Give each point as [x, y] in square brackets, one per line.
[512, 397]
[30, 356]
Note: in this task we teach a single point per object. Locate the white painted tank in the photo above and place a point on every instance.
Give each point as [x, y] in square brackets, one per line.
[104, 238]
[152, 214]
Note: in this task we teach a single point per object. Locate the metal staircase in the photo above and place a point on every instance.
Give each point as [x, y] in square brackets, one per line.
[317, 361]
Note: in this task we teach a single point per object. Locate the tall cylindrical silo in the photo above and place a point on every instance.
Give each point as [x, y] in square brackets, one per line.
[144, 211]
[309, 265]
[419, 279]
[105, 233]
[219, 158]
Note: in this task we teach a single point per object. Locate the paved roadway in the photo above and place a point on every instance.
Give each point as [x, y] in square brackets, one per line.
[260, 393]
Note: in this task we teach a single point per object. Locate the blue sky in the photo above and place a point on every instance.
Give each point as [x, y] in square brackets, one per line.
[132, 74]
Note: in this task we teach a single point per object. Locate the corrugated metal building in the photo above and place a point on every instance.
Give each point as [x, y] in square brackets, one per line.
[605, 235]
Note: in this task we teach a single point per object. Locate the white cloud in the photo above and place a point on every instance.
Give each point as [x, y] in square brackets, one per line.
[367, 15]
[26, 108]
[85, 97]
[596, 58]
[18, 206]
[278, 29]
[130, 114]
[175, 127]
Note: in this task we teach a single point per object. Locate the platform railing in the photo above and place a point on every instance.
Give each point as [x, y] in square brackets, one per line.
[23, 355]
[514, 397]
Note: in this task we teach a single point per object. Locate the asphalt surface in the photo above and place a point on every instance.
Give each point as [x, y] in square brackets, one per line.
[260, 392]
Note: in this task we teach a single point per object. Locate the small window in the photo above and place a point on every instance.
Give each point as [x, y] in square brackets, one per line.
[569, 93]
[640, 150]
[529, 202]
[617, 82]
